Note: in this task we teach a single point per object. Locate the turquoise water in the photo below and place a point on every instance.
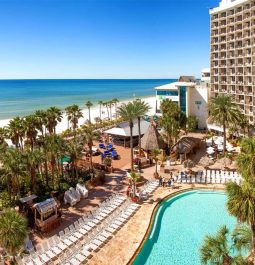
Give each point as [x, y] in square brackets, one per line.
[180, 226]
[21, 97]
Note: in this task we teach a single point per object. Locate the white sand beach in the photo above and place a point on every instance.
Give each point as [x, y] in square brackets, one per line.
[94, 112]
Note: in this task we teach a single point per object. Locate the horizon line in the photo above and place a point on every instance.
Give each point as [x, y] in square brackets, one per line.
[151, 78]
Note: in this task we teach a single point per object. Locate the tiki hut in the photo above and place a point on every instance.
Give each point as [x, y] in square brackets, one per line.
[152, 139]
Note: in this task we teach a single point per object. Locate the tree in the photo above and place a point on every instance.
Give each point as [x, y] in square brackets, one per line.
[13, 231]
[115, 101]
[41, 120]
[100, 103]
[89, 135]
[141, 109]
[32, 159]
[128, 112]
[223, 111]
[16, 131]
[13, 165]
[246, 159]
[216, 250]
[74, 149]
[170, 108]
[106, 104]
[170, 127]
[242, 238]
[241, 204]
[155, 155]
[30, 127]
[192, 123]
[74, 113]
[53, 117]
[89, 104]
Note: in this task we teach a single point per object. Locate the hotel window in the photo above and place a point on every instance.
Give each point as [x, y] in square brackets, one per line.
[167, 93]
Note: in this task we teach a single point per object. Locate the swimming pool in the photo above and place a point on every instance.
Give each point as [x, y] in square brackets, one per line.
[180, 225]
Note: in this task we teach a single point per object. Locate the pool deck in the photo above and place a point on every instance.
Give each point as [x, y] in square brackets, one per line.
[122, 247]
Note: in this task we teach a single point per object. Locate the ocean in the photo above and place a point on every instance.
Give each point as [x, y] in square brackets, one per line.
[22, 97]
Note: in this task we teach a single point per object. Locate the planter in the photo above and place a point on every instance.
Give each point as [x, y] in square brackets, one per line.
[135, 199]
[156, 175]
[109, 169]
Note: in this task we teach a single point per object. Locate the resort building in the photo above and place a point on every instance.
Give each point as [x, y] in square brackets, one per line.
[233, 53]
[190, 94]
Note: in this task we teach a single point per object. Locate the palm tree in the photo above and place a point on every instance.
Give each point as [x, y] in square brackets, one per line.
[155, 155]
[141, 109]
[73, 113]
[129, 113]
[242, 238]
[32, 160]
[241, 203]
[225, 112]
[13, 231]
[115, 101]
[53, 117]
[41, 120]
[74, 149]
[89, 135]
[13, 165]
[169, 125]
[217, 251]
[30, 126]
[246, 159]
[89, 104]
[55, 147]
[3, 134]
[105, 104]
[16, 131]
[100, 103]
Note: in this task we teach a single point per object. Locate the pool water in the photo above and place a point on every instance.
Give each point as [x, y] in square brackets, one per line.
[180, 225]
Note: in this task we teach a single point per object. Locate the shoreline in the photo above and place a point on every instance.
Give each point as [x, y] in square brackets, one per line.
[94, 112]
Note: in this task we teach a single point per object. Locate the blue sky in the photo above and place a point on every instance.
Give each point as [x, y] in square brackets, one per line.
[103, 38]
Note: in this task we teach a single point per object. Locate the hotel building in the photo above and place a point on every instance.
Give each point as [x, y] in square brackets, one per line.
[233, 53]
[190, 94]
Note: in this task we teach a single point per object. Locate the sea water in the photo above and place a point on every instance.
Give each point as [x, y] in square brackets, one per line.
[22, 97]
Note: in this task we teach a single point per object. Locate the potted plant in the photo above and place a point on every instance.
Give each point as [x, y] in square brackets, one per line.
[108, 164]
[155, 155]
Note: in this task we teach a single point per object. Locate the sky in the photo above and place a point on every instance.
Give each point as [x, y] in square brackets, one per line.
[104, 38]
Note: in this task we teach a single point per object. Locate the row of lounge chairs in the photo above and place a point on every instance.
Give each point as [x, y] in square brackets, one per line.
[91, 230]
[210, 177]
[148, 188]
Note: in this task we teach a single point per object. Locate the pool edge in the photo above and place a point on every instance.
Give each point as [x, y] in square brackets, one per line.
[131, 260]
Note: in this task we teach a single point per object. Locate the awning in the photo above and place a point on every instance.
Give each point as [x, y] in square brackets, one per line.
[28, 198]
[64, 159]
[46, 206]
[214, 127]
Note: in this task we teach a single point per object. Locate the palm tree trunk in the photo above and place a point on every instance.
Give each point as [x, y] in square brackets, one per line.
[89, 116]
[33, 178]
[131, 145]
[110, 111]
[253, 241]
[224, 137]
[100, 111]
[139, 134]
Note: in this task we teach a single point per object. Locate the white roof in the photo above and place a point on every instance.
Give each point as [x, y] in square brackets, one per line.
[123, 129]
[175, 85]
[206, 70]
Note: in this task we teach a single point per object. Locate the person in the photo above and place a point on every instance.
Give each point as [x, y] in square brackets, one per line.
[169, 182]
[160, 181]
[163, 182]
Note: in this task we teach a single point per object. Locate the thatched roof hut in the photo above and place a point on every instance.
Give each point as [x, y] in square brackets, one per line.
[152, 139]
[186, 144]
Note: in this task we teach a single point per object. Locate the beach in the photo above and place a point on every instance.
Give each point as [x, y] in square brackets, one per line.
[94, 112]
